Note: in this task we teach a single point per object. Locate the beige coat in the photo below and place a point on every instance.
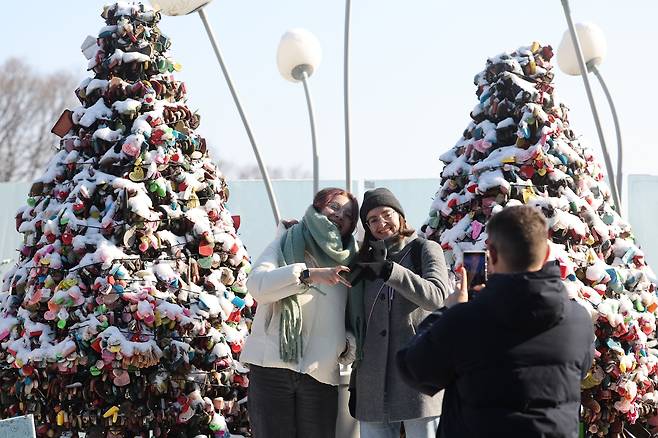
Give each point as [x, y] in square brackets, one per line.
[323, 318]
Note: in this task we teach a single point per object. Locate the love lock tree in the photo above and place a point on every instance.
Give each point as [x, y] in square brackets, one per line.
[520, 149]
[127, 310]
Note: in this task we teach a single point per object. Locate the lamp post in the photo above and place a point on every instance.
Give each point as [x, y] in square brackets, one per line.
[346, 98]
[185, 7]
[571, 40]
[594, 50]
[298, 56]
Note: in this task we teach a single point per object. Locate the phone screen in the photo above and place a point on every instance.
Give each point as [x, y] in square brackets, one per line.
[475, 263]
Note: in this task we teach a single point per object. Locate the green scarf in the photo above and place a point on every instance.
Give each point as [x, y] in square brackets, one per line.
[318, 236]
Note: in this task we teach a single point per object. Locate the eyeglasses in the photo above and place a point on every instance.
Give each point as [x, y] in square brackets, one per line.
[384, 217]
[346, 209]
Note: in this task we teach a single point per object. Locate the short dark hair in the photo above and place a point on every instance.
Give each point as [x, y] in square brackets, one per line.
[325, 196]
[519, 236]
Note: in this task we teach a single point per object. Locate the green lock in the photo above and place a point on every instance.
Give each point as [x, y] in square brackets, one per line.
[205, 262]
[161, 64]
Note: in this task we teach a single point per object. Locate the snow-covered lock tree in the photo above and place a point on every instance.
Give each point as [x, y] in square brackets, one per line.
[127, 310]
[519, 148]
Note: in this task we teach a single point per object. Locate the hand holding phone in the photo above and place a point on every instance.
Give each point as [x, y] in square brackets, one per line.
[475, 264]
[378, 250]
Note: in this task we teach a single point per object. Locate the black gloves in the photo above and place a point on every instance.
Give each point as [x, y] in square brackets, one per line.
[380, 269]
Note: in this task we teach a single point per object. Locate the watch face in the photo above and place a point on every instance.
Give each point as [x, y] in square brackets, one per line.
[306, 274]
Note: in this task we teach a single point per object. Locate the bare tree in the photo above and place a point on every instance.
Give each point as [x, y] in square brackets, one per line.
[30, 104]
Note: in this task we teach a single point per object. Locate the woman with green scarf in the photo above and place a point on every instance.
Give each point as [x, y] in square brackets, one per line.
[298, 334]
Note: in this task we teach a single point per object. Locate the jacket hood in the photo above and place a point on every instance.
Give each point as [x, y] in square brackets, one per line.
[526, 300]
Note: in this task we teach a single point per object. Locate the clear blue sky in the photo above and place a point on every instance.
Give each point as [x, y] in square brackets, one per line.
[412, 69]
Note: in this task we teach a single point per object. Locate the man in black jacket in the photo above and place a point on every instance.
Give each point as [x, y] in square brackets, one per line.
[512, 359]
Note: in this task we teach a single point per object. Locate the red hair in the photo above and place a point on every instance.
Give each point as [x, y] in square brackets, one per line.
[325, 196]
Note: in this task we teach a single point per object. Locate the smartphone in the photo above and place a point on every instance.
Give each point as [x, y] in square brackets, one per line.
[475, 263]
[379, 252]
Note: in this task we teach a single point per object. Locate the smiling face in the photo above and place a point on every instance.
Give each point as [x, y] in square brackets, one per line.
[340, 211]
[383, 222]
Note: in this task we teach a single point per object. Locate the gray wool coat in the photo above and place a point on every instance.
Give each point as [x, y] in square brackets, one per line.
[393, 310]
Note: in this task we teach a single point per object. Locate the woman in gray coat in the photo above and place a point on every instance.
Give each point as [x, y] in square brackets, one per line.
[403, 279]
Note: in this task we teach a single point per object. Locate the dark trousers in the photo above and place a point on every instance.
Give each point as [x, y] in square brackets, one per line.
[286, 404]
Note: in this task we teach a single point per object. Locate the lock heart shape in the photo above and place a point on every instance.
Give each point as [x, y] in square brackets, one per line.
[137, 174]
[121, 377]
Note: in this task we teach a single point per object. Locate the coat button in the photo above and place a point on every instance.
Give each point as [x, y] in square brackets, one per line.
[382, 296]
[383, 333]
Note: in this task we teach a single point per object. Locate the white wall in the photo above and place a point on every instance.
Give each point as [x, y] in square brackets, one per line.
[249, 200]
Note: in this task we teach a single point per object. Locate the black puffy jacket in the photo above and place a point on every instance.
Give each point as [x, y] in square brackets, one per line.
[511, 360]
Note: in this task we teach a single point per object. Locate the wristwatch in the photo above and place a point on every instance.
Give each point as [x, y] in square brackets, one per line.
[305, 277]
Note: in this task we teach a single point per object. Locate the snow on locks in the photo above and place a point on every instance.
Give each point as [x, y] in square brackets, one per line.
[520, 149]
[127, 310]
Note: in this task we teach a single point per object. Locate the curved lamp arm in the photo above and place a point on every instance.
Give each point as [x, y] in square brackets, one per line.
[298, 57]
[311, 119]
[245, 122]
[620, 174]
[592, 104]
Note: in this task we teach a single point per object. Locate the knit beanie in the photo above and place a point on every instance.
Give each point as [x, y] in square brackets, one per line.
[379, 197]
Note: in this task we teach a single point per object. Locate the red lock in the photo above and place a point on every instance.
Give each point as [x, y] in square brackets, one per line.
[235, 316]
[96, 345]
[527, 171]
[67, 238]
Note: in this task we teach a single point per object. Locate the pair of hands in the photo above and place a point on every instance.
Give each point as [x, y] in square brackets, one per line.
[332, 276]
[460, 295]
[327, 276]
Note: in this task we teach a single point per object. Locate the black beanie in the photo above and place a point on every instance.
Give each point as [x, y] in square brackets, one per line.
[379, 197]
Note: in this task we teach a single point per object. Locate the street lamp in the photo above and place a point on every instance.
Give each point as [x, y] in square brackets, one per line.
[185, 7]
[594, 48]
[585, 48]
[346, 97]
[298, 56]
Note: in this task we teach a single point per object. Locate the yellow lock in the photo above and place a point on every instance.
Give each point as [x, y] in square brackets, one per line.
[60, 418]
[535, 47]
[532, 68]
[112, 412]
[528, 194]
[193, 202]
